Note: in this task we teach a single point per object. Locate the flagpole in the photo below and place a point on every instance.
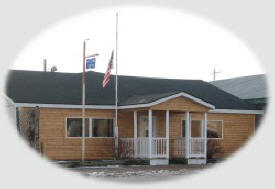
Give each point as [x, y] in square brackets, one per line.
[83, 100]
[116, 83]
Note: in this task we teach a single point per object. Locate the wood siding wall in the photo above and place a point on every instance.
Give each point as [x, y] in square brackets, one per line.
[180, 104]
[58, 146]
[237, 129]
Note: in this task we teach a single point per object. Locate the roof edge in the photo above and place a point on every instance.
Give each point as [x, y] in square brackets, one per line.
[161, 100]
[234, 111]
[30, 105]
[111, 107]
[165, 99]
[8, 99]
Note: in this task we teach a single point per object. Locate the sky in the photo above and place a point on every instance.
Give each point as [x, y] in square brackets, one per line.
[152, 42]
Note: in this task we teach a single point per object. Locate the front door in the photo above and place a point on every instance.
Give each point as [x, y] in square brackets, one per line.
[143, 127]
[143, 142]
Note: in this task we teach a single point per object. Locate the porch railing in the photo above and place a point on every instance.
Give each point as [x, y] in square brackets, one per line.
[197, 147]
[130, 148]
[179, 147]
[139, 148]
[158, 147]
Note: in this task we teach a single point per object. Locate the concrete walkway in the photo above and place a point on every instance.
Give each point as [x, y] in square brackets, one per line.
[140, 172]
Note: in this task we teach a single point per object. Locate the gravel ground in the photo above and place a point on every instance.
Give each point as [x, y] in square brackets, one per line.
[140, 172]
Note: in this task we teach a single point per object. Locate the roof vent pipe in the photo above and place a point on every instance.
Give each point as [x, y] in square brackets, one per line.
[45, 65]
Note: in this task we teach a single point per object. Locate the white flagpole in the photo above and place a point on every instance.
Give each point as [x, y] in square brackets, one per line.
[116, 83]
[83, 101]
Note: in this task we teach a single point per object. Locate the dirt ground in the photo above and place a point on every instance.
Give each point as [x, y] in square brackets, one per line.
[140, 172]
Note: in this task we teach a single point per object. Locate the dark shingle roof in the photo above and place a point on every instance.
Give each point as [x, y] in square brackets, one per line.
[246, 87]
[65, 88]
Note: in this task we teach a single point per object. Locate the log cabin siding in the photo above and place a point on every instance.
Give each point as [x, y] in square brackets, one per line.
[180, 104]
[237, 128]
[58, 146]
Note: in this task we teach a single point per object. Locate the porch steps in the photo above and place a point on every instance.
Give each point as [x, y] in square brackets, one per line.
[196, 161]
[73, 164]
[159, 162]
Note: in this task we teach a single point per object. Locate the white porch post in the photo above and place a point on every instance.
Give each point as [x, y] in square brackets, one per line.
[167, 134]
[205, 134]
[187, 135]
[150, 133]
[135, 134]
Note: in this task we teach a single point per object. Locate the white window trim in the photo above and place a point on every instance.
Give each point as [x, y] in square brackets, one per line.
[90, 126]
[197, 119]
[91, 118]
[66, 128]
[222, 130]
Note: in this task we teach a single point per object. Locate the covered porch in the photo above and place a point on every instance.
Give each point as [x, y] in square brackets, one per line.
[160, 135]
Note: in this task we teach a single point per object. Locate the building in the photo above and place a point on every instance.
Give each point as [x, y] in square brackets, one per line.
[252, 89]
[158, 119]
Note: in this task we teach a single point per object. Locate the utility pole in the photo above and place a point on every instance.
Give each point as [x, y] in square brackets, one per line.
[45, 65]
[214, 74]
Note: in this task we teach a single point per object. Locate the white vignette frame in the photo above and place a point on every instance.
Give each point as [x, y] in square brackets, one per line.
[225, 166]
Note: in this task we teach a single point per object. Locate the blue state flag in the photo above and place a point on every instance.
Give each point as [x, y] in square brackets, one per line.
[90, 63]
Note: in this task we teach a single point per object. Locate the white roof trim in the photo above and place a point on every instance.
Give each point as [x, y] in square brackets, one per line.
[64, 106]
[218, 111]
[232, 111]
[9, 99]
[197, 100]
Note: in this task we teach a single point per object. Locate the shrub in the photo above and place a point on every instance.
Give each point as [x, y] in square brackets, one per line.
[213, 145]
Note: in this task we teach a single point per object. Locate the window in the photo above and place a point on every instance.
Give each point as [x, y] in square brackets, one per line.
[93, 127]
[183, 128]
[102, 128]
[74, 127]
[215, 129]
[196, 128]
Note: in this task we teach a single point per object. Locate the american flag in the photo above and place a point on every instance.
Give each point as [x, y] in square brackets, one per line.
[107, 75]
